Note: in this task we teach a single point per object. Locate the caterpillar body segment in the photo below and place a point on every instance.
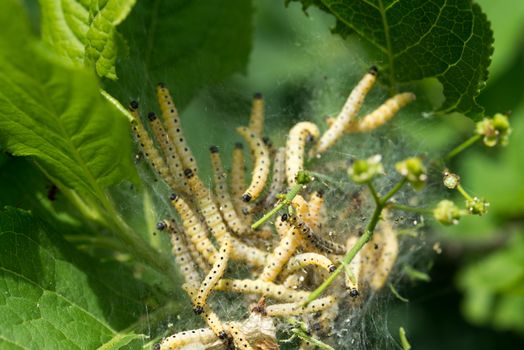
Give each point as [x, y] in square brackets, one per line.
[194, 228]
[282, 226]
[147, 146]
[203, 264]
[388, 255]
[352, 279]
[239, 337]
[207, 314]
[301, 207]
[348, 112]
[172, 159]
[181, 339]
[229, 214]
[207, 206]
[382, 114]
[217, 271]
[237, 183]
[182, 256]
[316, 205]
[297, 308]
[260, 167]
[311, 238]
[281, 255]
[243, 252]
[278, 179]
[256, 120]
[174, 127]
[259, 287]
[306, 259]
[295, 145]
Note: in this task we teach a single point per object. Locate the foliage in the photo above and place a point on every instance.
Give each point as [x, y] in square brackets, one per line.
[77, 273]
[449, 40]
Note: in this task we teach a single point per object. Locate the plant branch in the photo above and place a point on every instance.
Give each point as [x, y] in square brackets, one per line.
[462, 147]
[286, 201]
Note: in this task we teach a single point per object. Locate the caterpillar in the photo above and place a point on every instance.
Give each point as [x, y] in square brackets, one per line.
[313, 239]
[147, 146]
[238, 181]
[216, 225]
[278, 179]
[388, 255]
[296, 141]
[207, 206]
[194, 228]
[324, 323]
[316, 205]
[216, 273]
[259, 287]
[260, 167]
[174, 127]
[298, 308]
[286, 247]
[348, 112]
[239, 337]
[179, 340]
[305, 259]
[353, 270]
[301, 208]
[172, 159]
[226, 205]
[256, 120]
[382, 114]
[207, 314]
[181, 253]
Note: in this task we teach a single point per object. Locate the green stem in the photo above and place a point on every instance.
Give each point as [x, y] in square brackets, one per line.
[464, 193]
[286, 201]
[394, 190]
[368, 233]
[374, 193]
[462, 146]
[366, 236]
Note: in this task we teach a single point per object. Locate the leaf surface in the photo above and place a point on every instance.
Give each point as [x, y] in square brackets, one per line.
[56, 115]
[447, 39]
[54, 297]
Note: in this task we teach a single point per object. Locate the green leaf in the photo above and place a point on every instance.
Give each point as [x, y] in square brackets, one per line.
[84, 31]
[450, 40]
[57, 115]
[54, 297]
[186, 44]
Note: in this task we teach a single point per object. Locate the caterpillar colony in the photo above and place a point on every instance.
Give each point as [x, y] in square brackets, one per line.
[286, 260]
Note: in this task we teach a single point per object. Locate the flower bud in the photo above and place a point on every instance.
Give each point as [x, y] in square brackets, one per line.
[477, 206]
[447, 213]
[364, 170]
[495, 130]
[414, 171]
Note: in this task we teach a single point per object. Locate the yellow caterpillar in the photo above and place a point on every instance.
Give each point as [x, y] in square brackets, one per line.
[296, 142]
[298, 308]
[259, 287]
[260, 167]
[348, 112]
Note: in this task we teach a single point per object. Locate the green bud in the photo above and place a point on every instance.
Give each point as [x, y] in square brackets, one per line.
[303, 178]
[364, 170]
[495, 130]
[477, 206]
[451, 180]
[414, 171]
[447, 213]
